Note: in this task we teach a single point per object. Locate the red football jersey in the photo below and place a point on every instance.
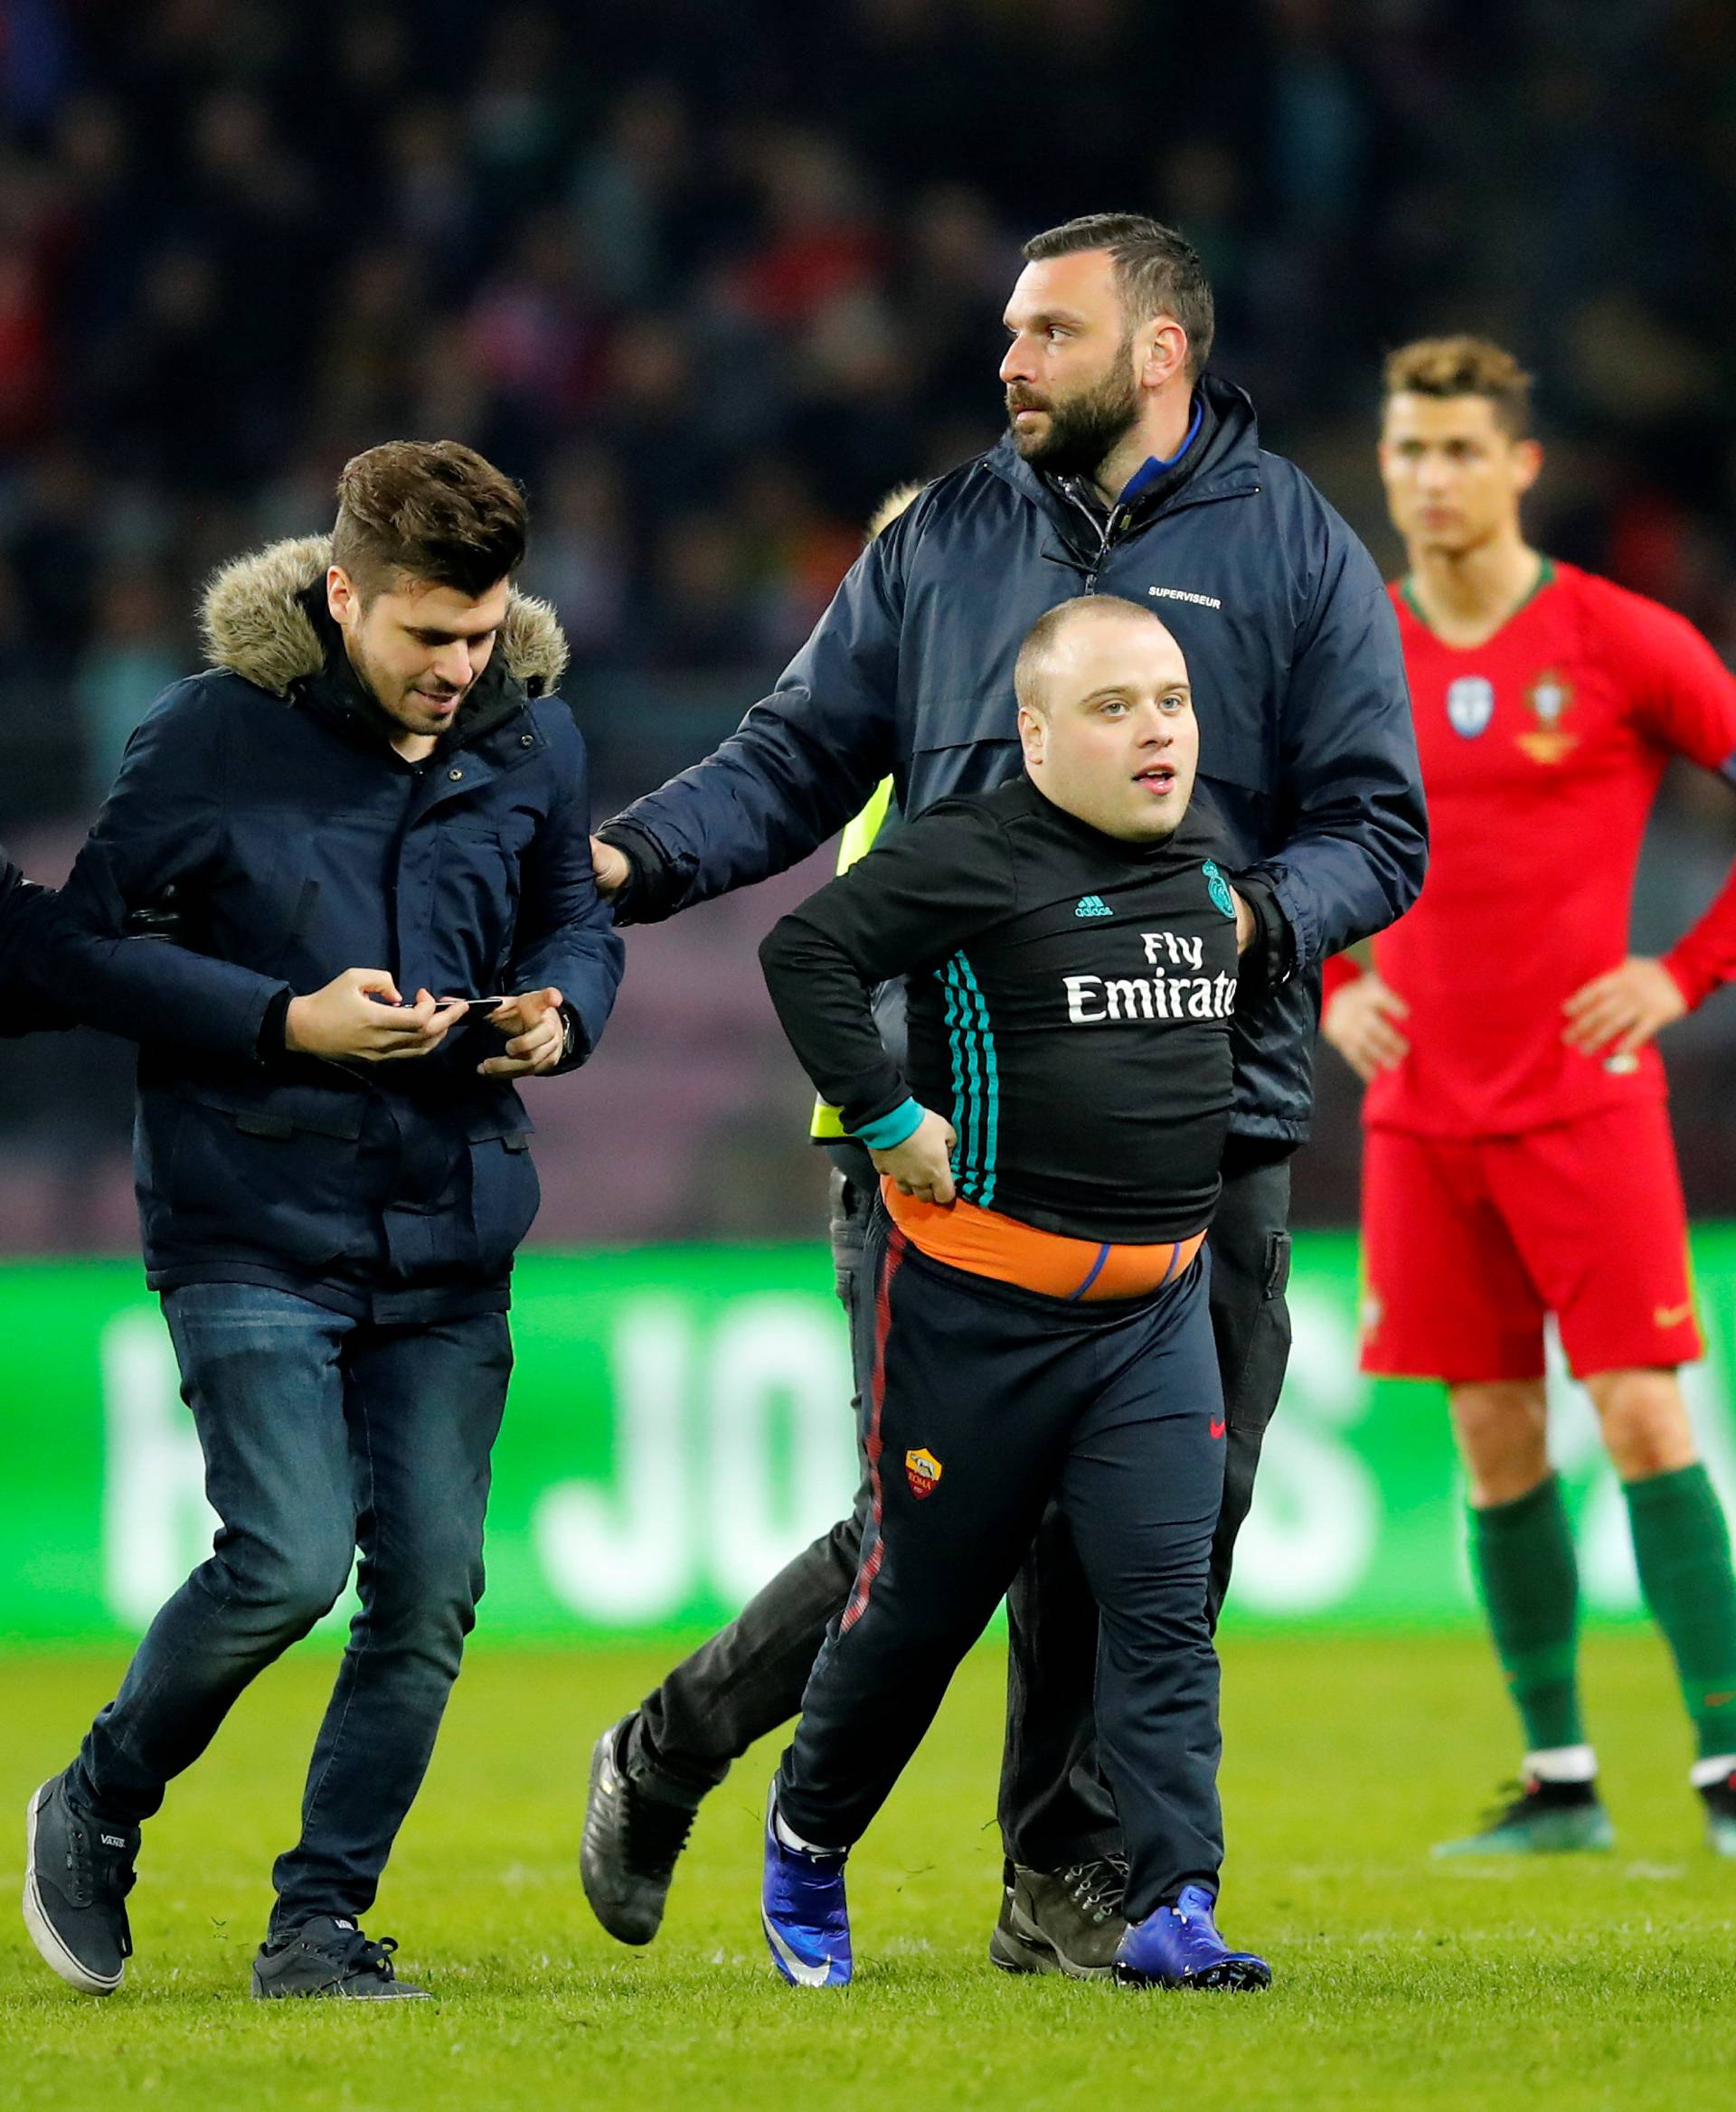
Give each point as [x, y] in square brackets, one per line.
[1542, 751]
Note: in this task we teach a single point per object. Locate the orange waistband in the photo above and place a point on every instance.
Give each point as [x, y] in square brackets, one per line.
[983, 1242]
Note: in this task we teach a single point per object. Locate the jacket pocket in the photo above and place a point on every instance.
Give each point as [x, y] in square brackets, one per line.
[1277, 1268]
[1235, 755]
[968, 746]
[505, 1192]
[989, 719]
[265, 1177]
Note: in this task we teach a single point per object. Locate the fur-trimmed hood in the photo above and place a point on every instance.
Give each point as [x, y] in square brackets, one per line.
[253, 623]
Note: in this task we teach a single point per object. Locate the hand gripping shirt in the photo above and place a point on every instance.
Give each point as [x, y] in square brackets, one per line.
[1071, 1001]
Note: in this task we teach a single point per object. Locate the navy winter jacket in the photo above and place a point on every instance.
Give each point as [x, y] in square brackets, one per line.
[22, 904]
[300, 843]
[1307, 750]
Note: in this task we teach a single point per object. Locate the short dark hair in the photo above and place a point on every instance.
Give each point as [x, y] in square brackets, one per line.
[1040, 639]
[1157, 271]
[433, 509]
[1463, 366]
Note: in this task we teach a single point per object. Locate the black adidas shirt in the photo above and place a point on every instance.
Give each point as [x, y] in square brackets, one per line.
[1071, 998]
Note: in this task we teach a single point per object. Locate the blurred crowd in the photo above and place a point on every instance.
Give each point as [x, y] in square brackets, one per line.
[708, 278]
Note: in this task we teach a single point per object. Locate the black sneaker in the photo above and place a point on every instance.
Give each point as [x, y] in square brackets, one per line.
[78, 1873]
[330, 1956]
[1546, 1818]
[636, 1823]
[1065, 1921]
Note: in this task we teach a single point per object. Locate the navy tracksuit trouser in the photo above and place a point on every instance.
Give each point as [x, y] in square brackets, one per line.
[985, 1402]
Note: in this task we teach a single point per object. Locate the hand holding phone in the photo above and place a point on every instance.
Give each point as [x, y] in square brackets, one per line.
[539, 1030]
[361, 1017]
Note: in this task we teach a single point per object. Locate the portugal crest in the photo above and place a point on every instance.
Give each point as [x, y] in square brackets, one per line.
[922, 1470]
[1549, 699]
[1471, 704]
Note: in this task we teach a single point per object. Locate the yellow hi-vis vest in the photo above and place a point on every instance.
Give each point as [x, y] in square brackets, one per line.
[857, 841]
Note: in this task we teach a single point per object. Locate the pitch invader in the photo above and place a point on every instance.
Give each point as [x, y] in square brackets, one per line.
[1040, 1286]
[1519, 1160]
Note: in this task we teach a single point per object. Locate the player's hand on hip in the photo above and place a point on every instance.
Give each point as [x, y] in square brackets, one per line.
[1627, 1006]
[359, 1017]
[922, 1165]
[1359, 1024]
[612, 868]
[538, 1032]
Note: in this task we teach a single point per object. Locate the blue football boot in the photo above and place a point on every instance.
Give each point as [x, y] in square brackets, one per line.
[1180, 1946]
[803, 1912]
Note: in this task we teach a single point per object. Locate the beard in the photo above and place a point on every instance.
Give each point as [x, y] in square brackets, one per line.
[400, 702]
[1082, 428]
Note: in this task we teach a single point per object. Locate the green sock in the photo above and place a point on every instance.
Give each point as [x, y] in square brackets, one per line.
[1682, 1548]
[1523, 1553]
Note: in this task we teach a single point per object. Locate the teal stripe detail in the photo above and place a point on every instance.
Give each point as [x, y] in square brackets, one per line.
[964, 1085]
[957, 1068]
[984, 1041]
[973, 1154]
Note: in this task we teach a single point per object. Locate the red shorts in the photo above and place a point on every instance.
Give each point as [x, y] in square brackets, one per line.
[1468, 1243]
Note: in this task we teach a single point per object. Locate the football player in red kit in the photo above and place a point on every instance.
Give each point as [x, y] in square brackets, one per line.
[1518, 1159]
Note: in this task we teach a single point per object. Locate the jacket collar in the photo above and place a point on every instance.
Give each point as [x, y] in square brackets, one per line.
[1223, 458]
[259, 621]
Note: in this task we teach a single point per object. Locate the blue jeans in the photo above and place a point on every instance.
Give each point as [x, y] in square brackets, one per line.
[322, 1435]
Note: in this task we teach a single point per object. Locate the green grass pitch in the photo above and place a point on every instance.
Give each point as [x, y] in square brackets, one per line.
[1592, 1982]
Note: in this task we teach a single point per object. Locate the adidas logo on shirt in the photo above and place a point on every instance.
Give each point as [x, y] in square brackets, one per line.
[1093, 906]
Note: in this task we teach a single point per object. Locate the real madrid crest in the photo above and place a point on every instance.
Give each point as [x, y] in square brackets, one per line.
[1471, 704]
[1549, 699]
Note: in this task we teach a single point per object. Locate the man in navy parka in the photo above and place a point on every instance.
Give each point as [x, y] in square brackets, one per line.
[369, 810]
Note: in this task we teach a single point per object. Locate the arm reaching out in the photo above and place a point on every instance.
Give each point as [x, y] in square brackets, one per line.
[797, 769]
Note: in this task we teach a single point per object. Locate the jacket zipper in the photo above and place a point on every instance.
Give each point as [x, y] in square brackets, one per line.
[1105, 532]
[1108, 530]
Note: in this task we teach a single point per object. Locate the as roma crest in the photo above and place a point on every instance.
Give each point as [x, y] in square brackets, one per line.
[922, 1470]
[1549, 699]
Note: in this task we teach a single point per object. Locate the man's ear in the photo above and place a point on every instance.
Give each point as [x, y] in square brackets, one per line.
[1530, 457]
[1032, 729]
[1166, 353]
[342, 599]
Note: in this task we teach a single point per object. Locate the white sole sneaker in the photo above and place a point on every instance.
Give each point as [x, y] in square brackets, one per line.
[43, 1932]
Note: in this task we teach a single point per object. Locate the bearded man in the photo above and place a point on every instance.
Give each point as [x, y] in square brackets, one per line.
[1129, 469]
